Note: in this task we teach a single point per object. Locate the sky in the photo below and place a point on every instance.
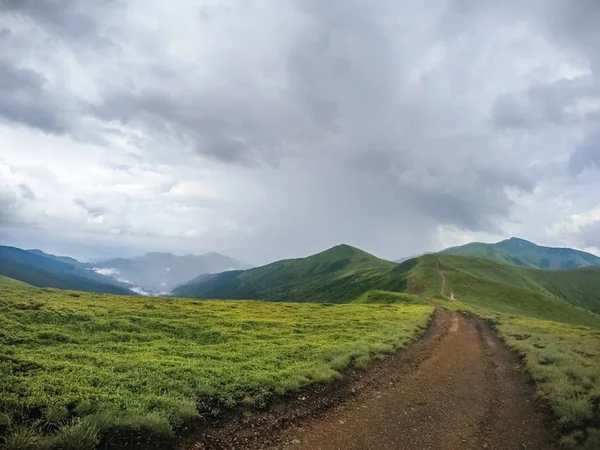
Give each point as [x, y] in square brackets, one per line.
[267, 129]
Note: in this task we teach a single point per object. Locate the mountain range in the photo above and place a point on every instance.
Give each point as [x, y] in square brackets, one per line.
[340, 274]
[336, 275]
[158, 273]
[43, 270]
[520, 252]
[344, 274]
[151, 274]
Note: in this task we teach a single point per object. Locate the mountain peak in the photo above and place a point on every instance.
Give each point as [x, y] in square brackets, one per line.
[158, 255]
[344, 251]
[520, 252]
[517, 240]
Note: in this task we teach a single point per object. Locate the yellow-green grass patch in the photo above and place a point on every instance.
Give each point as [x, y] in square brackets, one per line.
[72, 363]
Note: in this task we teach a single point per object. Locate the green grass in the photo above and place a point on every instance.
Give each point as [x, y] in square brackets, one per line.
[386, 297]
[80, 367]
[5, 281]
[564, 361]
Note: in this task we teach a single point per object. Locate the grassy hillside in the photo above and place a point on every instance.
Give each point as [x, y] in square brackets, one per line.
[42, 270]
[5, 281]
[377, 297]
[543, 316]
[520, 252]
[549, 295]
[79, 368]
[338, 275]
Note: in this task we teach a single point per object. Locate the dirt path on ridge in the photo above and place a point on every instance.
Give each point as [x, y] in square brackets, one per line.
[443, 275]
[458, 388]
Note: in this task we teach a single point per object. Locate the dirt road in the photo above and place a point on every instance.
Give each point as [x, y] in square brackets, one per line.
[458, 388]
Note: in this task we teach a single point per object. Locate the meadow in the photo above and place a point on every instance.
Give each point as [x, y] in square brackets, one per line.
[80, 370]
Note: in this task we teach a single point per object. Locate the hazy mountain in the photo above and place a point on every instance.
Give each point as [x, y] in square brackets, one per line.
[336, 275]
[65, 259]
[520, 252]
[42, 270]
[159, 273]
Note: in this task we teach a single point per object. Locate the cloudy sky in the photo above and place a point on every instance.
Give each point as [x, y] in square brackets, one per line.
[276, 128]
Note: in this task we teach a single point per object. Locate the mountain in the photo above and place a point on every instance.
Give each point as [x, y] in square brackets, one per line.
[406, 258]
[344, 274]
[65, 259]
[559, 295]
[519, 252]
[337, 275]
[5, 281]
[41, 270]
[159, 273]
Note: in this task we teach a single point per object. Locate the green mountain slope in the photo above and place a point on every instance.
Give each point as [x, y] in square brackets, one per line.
[5, 281]
[338, 275]
[42, 271]
[345, 274]
[520, 252]
[563, 295]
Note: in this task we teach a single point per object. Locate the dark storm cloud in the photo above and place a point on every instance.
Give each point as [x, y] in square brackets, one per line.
[577, 23]
[25, 98]
[69, 19]
[345, 95]
[192, 119]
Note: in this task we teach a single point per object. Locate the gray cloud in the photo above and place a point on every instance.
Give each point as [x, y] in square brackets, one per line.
[25, 98]
[282, 128]
[26, 192]
[8, 203]
[69, 19]
[93, 211]
[550, 104]
[586, 155]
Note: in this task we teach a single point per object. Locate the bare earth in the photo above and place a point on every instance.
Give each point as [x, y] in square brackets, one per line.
[457, 388]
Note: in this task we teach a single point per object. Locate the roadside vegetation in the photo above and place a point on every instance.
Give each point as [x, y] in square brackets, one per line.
[79, 370]
[564, 361]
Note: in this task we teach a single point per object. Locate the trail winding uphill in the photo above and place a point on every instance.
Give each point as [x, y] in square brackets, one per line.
[458, 388]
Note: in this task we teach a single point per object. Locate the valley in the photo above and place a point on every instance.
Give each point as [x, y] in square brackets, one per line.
[236, 363]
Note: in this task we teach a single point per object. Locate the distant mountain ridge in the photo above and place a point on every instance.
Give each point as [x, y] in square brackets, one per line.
[336, 275]
[158, 273]
[519, 252]
[43, 270]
